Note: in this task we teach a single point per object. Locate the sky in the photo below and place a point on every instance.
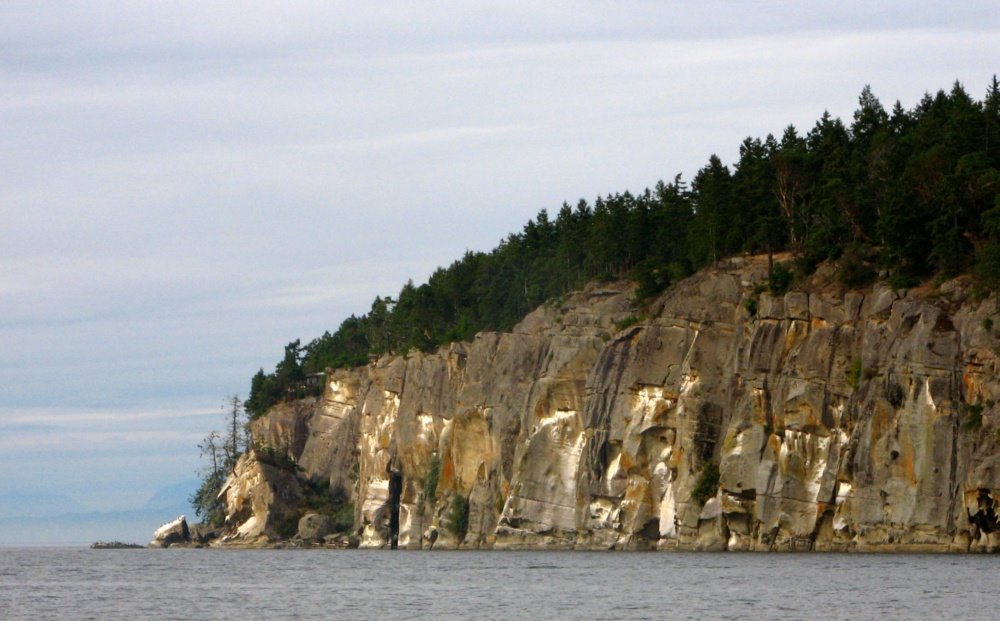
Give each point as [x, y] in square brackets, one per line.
[185, 187]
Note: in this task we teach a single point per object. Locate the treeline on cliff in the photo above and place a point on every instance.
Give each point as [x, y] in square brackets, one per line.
[910, 193]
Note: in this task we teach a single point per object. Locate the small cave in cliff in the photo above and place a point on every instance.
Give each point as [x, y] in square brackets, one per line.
[986, 517]
[894, 394]
[707, 430]
[650, 530]
[395, 491]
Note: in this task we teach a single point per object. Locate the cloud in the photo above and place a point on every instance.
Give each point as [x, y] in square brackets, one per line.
[91, 417]
[409, 140]
[65, 431]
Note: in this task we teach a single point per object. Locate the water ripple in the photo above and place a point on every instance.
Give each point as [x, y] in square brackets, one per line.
[320, 584]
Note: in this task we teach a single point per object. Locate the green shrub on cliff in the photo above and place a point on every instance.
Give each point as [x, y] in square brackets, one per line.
[431, 479]
[628, 322]
[279, 458]
[652, 278]
[287, 525]
[707, 484]
[317, 497]
[779, 280]
[457, 520]
[854, 269]
[854, 373]
[343, 517]
[973, 417]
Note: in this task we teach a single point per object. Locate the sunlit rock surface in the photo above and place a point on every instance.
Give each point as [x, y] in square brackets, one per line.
[171, 533]
[261, 502]
[837, 420]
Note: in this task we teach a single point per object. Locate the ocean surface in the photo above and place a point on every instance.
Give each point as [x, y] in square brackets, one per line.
[73, 583]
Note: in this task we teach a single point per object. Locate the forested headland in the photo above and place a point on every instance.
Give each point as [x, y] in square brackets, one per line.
[909, 194]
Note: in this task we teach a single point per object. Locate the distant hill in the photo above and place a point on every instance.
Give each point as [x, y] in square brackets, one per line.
[40, 518]
[32, 503]
[175, 495]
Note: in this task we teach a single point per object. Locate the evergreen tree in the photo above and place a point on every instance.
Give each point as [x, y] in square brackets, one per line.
[792, 180]
[220, 453]
[205, 500]
[991, 123]
[713, 197]
[757, 224]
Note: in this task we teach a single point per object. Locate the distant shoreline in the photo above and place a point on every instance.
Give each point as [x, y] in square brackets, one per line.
[115, 545]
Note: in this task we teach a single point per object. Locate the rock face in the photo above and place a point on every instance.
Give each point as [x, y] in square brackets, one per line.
[830, 419]
[171, 533]
[261, 501]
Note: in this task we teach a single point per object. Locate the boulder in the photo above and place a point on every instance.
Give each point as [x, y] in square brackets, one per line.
[315, 526]
[170, 533]
[203, 533]
[342, 541]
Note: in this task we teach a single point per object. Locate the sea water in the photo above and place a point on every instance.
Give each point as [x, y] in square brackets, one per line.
[69, 583]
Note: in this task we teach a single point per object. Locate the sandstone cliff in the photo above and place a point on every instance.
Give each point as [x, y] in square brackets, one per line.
[831, 420]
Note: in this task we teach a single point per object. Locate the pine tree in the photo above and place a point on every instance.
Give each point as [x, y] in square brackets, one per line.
[991, 122]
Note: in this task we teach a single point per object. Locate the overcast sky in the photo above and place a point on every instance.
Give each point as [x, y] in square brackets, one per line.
[187, 187]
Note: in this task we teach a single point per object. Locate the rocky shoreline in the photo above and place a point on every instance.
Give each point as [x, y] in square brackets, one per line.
[178, 534]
